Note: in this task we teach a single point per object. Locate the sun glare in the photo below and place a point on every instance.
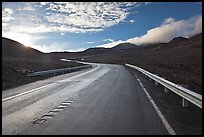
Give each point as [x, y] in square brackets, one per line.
[26, 46]
[24, 39]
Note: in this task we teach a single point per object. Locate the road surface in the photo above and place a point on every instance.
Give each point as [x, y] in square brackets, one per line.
[104, 100]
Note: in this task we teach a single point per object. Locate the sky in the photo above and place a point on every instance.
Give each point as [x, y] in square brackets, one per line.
[77, 26]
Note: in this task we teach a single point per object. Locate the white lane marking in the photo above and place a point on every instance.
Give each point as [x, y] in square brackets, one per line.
[57, 109]
[165, 122]
[61, 106]
[26, 92]
[65, 103]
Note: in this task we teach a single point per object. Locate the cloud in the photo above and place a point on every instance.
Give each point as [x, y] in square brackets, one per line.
[131, 21]
[76, 50]
[48, 48]
[197, 26]
[89, 42]
[168, 21]
[86, 17]
[31, 41]
[111, 44]
[111, 40]
[27, 8]
[146, 3]
[6, 16]
[23, 38]
[169, 29]
[23, 22]
[51, 47]
[74, 17]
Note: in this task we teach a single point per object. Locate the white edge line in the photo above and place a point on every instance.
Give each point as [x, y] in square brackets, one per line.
[26, 92]
[165, 122]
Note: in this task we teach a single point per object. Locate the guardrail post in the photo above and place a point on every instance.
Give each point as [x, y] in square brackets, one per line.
[166, 90]
[150, 79]
[155, 83]
[185, 103]
[187, 95]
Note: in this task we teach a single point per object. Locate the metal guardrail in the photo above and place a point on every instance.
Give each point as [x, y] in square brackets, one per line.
[187, 94]
[57, 71]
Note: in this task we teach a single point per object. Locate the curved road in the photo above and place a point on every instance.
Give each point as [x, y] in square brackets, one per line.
[106, 99]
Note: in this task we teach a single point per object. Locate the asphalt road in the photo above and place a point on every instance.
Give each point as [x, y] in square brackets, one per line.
[104, 100]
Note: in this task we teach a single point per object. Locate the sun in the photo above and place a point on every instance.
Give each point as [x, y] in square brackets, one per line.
[25, 40]
[22, 38]
[26, 46]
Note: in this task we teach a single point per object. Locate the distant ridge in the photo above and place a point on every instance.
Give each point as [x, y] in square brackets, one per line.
[120, 46]
[177, 40]
[124, 46]
[94, 51]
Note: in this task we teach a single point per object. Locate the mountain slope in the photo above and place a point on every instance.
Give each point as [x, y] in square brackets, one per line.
[180, 62]
[93, 51]
[124, 46]
[11, 48]
[177, 40]
[18, 60]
